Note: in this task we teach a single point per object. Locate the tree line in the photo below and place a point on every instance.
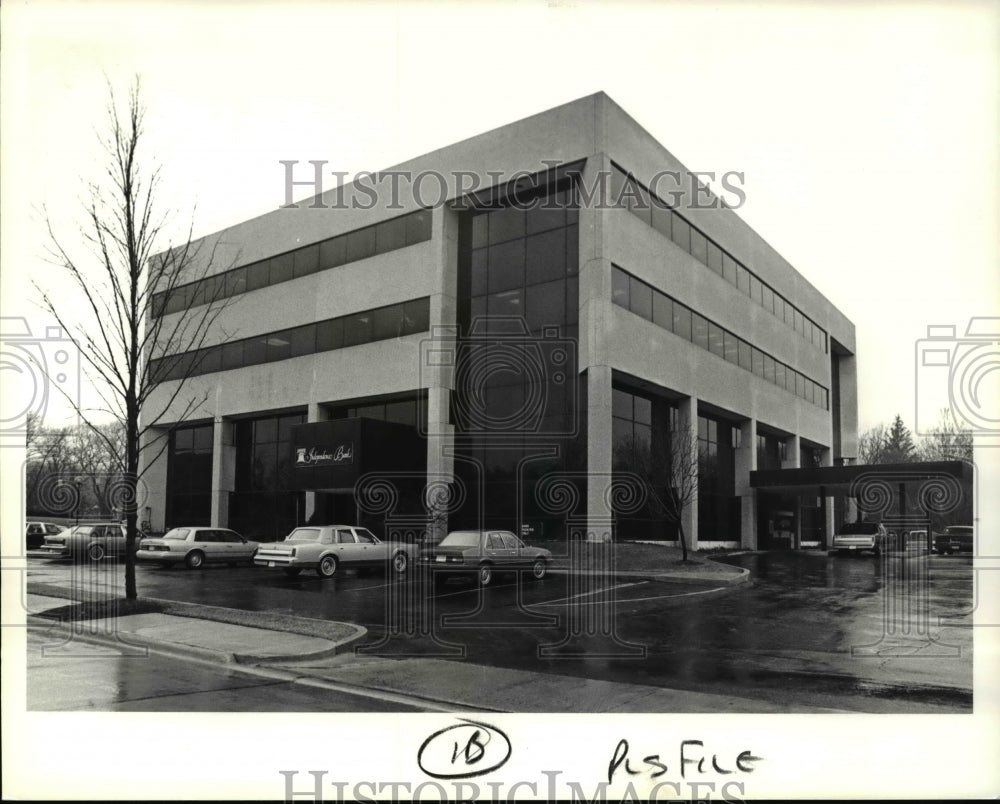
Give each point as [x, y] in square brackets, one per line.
[894, 443]
[74, 471]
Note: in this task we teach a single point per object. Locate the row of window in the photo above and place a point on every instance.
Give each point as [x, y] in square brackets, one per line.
[525, 261]
[646, 301]
[656, 213]
[263, 452]
[379, 238]
[391, 321]
[189, 474]
[554, 211]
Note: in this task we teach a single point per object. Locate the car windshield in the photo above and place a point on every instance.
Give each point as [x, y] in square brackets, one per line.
[461, 538]
[859, 529]
[177, 533]
[84, 530]
[303, 535]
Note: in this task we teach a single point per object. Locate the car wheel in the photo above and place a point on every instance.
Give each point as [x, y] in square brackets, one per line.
[327, 567]
[95, 552]
[485, 575]
[538, 569]
[194, 559]
[400, 561]
[292, 572]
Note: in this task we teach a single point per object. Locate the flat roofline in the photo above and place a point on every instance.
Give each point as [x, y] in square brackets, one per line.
[843, 479]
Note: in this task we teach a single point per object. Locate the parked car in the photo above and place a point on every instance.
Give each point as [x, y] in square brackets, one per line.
[955, 539]
[91, 541]
[195, 546]
[329, 548]
[35, 533]
[858, 536]
[483, 553]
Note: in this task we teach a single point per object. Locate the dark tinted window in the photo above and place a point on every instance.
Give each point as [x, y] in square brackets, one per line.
[640, 298]
[682, 321]
[390, 235]
[281, 268]
[306, 261]
[361, 244]
[418, 226]
[333, 252]
[619, 287]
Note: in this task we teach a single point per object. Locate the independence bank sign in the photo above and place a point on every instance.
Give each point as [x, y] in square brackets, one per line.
[332, 455]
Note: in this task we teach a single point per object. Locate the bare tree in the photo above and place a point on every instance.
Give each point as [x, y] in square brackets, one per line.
[949, 441]
[96, 454]
[130, 329]
[873, 445]
[45, 455]
[669, 469]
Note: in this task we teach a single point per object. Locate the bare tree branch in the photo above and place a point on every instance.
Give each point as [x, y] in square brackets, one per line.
[124, 332]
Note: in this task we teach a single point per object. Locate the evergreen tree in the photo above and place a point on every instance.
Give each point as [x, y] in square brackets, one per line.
[899, 446]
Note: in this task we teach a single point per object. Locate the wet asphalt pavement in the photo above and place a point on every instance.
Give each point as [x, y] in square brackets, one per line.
[810, 627]
[65, 678]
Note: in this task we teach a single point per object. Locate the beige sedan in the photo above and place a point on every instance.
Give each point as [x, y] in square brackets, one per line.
[197, 546]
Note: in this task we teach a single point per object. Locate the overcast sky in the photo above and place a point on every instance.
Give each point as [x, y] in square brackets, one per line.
[867, 136]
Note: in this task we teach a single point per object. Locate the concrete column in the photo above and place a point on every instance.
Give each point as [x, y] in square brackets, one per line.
[793, 453]
[599, 449]
[223, 471]
[848, 424]
[153, 482]
[829, 518]
[315, 412]
[688, 423]
[437, 369]
[793, 460]
[746, 462]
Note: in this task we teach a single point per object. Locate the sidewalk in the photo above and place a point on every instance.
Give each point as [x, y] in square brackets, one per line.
[434, 683]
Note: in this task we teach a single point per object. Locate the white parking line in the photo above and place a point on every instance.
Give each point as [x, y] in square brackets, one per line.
[587, 594]
[664, 597]
[474, 588]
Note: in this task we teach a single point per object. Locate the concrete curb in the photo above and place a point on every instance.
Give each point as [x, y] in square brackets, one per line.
[725, 579]
[339, 646]
[133, 639]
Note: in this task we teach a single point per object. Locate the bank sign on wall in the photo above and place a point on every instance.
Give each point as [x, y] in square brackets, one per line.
[332, 455]
[322, 456]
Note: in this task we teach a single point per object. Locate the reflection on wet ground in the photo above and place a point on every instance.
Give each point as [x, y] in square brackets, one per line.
[808, 625]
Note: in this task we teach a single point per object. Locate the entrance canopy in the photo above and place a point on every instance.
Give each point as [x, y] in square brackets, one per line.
[854, 480]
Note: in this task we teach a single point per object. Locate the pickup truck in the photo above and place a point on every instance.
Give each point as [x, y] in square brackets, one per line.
[855, 537]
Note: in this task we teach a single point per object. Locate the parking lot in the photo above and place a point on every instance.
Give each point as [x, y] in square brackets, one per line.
[809, 625]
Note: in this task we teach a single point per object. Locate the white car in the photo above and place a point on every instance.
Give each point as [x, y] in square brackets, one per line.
[91, 541]
[327, 548]
[853, 537]
[196, 546]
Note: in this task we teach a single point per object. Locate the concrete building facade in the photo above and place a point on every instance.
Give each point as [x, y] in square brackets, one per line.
[546, 306]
